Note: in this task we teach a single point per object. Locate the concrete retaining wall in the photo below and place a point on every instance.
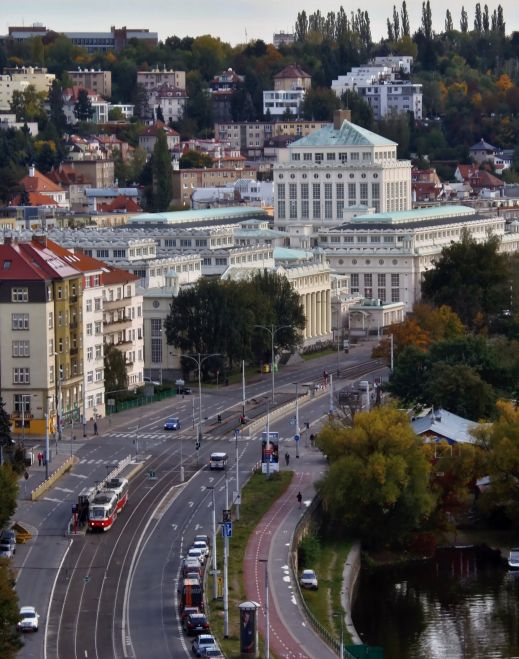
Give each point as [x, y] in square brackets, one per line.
[43, 487]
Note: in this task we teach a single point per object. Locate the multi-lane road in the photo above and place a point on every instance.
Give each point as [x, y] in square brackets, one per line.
[113, 595]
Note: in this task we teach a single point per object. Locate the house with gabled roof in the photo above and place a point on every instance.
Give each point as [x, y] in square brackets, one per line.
[40, 190]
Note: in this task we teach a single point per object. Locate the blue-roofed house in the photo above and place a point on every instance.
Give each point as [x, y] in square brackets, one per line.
[439, 425]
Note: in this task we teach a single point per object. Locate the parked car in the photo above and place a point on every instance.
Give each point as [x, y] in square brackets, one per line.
[8, 537]
[195, 623]
[6, 550]
[29, 619]
[173, 423]
[212, 652]
[191, 565]
[308, 579]
[201, 642]
[147, 380]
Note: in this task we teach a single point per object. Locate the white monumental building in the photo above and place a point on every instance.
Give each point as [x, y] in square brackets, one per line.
[323, 176]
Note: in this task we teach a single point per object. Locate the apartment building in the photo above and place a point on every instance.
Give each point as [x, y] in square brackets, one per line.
[7, 88]
[99, 105]
[100, 82]
[156, 77]
[36, 76]
[323, 178]
[251, 137]
[382, 89]
[41, 371]
[123, 321]
[91, 343]
[172, 102]
[290, 86]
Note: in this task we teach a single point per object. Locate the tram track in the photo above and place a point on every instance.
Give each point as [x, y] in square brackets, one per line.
[88, 600]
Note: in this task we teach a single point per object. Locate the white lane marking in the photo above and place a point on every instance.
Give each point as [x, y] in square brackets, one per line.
[50, 598]
[63, 489]
[53, 500]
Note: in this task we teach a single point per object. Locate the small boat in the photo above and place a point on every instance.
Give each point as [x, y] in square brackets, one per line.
[513, 559]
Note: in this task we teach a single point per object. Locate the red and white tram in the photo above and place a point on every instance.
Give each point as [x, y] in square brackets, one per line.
[102, 511]
[120, 487]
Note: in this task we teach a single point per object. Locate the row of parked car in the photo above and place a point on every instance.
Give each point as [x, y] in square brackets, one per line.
[191, 599]
[29, 617]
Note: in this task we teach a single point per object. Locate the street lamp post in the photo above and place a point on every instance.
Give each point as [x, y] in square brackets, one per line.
[199, 360]
[236, 433]
[47, 438]
[266, 608]
[58, 399]
[298, 429]
[341, 647]
[272, 330]
[213, 550]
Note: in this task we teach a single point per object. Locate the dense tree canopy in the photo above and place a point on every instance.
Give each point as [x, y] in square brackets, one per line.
[470, 277]
[378, 482]
[116, 377]
[162, 174]
[220, 316]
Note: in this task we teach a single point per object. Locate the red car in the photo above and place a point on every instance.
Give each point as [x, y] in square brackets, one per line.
[187, 610]
[195, 623]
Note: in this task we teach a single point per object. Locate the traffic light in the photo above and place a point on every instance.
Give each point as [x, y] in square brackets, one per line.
[226, 516]
[197, 444]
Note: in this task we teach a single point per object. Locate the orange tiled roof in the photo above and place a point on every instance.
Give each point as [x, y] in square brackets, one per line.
[34, 199]
[39, 183]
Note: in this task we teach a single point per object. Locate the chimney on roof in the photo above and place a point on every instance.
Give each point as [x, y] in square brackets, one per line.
[40, 239]
[339, 117]
[32, 170]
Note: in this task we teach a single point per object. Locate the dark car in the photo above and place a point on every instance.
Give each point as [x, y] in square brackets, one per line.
[195, 623]
[173, 423]
[188, 610]
[184, 391]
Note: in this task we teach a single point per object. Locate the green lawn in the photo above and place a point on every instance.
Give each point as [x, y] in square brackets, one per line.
[326, 601]
[257, 497]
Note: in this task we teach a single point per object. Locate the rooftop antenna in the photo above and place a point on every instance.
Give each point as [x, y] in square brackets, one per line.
[246, 38]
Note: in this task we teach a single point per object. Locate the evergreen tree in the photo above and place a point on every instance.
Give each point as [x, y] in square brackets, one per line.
[406, 31]
[396, 23]
[162, 174]
[159, 114]
[485, 20]
[464, 21]
[301, 26]
[478, 20]
[57, 116]
[83, 110]
[448, 21]
[390, 33]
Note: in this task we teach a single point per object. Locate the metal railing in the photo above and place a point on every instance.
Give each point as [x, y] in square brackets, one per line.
[328, 637]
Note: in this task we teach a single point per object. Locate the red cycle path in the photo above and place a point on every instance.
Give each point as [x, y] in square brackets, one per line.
[282, 642]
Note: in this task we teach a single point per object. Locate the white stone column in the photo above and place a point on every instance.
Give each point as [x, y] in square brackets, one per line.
[318, 310]
[329, 313]
[313, 314]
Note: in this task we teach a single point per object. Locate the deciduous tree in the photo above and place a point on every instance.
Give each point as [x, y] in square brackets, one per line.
[377, 486]
[162, 173]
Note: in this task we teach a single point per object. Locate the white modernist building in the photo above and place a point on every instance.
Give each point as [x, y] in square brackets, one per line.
[322, 179]
[386, 254]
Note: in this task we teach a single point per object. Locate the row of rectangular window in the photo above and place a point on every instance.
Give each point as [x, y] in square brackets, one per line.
[368, 280]
[328, 190]
[381, 293]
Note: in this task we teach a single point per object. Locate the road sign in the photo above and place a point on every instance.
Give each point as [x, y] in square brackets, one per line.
[74, 508]
[292, 421]
[297, 437]
[227, 529]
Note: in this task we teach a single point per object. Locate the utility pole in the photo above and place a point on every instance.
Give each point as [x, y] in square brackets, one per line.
[298, 430]
[213, 548]
[236, 433]
[225, 581]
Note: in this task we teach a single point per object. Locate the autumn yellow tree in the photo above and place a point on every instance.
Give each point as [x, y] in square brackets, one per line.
[501, 441]
[378, 483]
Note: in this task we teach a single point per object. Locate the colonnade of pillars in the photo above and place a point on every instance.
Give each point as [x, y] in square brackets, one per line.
[318, 312]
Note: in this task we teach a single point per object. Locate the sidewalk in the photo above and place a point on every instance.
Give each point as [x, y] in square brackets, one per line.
[291, 636]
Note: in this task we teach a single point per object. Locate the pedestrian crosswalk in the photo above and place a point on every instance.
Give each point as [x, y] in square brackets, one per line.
[161, 436]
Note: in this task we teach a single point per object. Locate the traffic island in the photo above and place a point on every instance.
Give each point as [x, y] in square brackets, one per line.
[53, 478]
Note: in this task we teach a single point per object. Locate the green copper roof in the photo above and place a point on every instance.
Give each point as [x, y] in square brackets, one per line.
[348, 135]
[202, 214]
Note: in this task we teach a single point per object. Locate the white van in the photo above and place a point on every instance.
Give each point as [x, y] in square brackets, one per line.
[218, 461]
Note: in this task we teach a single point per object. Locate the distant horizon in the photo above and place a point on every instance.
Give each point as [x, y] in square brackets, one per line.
[241, 21]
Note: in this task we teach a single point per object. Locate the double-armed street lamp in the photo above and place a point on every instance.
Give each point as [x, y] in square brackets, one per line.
[273, 330]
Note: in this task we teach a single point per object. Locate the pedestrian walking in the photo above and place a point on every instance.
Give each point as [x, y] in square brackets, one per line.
[219, 418]
[312, 440]
[287, 459]
[95, 428]
[299, 498]
[39, 456]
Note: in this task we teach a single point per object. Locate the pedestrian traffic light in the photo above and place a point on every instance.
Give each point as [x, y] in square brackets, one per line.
[197, 444]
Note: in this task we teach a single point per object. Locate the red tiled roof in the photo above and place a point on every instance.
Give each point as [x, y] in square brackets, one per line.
[120, 203]
[34, 199]
[117, 276]
[292, 71]
[39, 183]
[79, 260]
[466, 171]
[32, 261]
[484, 179]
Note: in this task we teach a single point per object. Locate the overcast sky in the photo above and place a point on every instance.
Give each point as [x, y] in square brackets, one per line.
[234, 21]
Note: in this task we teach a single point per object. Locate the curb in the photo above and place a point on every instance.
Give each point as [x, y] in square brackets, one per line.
[53, 478]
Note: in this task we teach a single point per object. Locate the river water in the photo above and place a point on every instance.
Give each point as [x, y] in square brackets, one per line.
[460, 605]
